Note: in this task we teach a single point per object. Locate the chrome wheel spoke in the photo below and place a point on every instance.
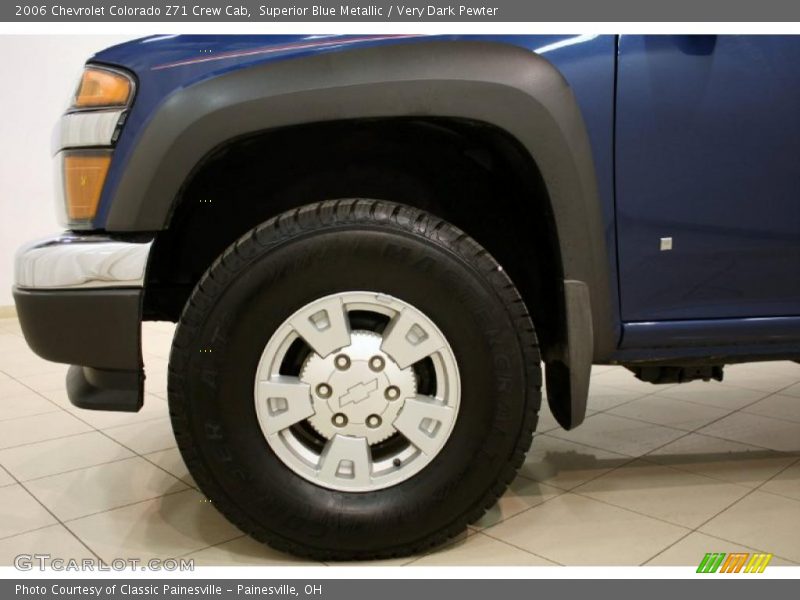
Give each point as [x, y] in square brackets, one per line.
[424, 421]
[409, 339]
[323, 325]
[282, 402]
[346, 460]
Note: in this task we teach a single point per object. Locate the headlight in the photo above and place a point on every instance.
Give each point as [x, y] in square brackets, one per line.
[84, 140]
[102, 88]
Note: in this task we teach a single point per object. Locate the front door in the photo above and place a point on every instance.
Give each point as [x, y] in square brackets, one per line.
[708, 176]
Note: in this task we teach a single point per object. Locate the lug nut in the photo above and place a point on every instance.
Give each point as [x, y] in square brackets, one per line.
[392, 392]
[376, 363]
[339, 419]
[373, 421]
[324, 390]
[342, 362]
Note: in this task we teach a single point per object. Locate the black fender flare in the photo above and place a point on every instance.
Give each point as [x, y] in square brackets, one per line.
[505, 86]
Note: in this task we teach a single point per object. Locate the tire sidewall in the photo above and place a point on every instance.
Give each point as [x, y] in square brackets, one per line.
[227, 444]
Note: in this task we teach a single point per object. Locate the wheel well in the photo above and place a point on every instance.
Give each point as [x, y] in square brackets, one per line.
[473, 175]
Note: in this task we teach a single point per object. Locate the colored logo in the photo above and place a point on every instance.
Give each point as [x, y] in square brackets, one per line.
[735, 562]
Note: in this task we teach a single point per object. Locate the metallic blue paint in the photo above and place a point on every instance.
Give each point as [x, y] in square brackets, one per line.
[712, 332]
[708, 153]
[707, 144]
[587, 62]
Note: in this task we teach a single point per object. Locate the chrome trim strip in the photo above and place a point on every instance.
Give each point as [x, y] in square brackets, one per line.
[86, 129]
[75, 261]
[58, 187]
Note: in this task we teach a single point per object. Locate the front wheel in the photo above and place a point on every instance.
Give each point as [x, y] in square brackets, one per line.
[354, 379]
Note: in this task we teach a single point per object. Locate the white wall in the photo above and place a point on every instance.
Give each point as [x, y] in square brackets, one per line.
[37, 75]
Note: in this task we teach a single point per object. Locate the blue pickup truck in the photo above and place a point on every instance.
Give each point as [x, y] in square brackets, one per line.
[379, 248]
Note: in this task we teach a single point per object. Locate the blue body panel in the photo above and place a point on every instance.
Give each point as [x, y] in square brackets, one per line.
[703, 155]
[705, 332]
[587, 63]
[708, 153]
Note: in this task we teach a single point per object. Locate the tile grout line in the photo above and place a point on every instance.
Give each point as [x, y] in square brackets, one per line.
[302, 562]
[27, 531]
[103, 433]
[60, 437]
[634, 458]
[37, 414]
[631, 458]
[716, 537]
[630, 510]
[57, 407]
[92, 429]
[667, 547]
[660, 390]
[683, 431]
[64, 522]
[694, 431]
[58, 520]
[76, 469]
[737, 501]
[627, 462]
[716, 478]
[507, 543]
[186, 554]
[697, 529]
[128, 505]
[191, 486]
[605, 410]
[584, 496]
[11, 478]
[91, 426]
[764, 397]
[110, 462]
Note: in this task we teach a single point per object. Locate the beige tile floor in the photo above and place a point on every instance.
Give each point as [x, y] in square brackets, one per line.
[656, 475]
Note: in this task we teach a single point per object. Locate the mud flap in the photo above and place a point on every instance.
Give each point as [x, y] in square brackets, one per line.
[567, 375]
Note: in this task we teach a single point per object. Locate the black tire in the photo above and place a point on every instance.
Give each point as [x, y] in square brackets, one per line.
[311, 252]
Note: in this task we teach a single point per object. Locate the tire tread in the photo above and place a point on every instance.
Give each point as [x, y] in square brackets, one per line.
[304, 221]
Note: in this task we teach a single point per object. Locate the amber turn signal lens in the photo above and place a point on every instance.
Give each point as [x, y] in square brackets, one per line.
[84, 176]
[99, 87]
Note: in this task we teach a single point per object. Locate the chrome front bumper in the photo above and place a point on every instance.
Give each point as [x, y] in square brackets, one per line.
[79, 301]
[72, 261]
